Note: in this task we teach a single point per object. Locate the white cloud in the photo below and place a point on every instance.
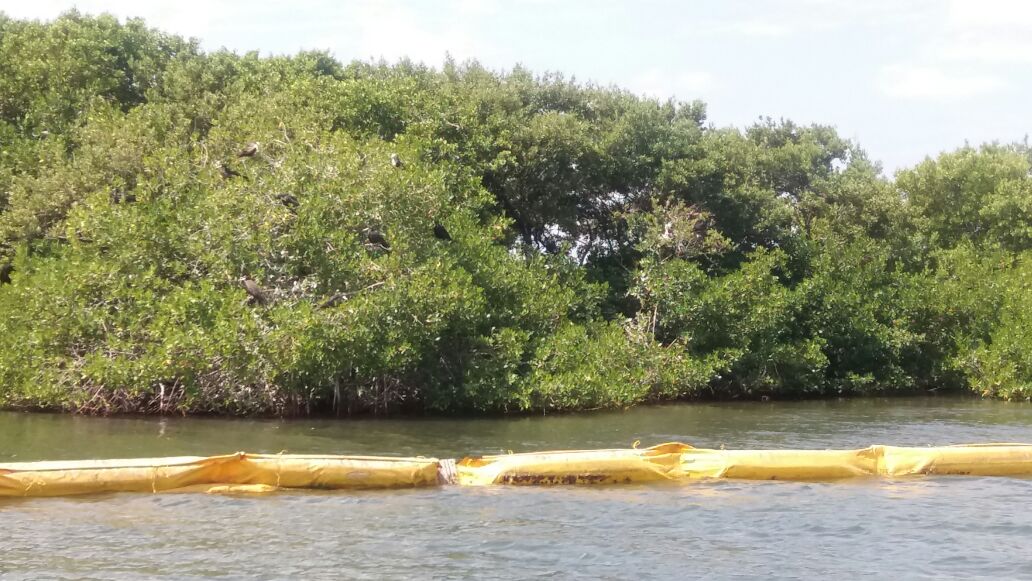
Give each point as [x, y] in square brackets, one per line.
[186, 17]
[482, 7]
[987, 31]
[932, 83]
[970, 49]
[684, 85]
[756, 28]
[988, 50]
[805, 16]
[391, 29]
[990, 14]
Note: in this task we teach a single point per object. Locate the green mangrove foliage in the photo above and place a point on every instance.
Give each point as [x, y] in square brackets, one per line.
[193, 232]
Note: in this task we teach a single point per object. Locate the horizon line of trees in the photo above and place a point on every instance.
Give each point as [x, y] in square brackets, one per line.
[185, 231]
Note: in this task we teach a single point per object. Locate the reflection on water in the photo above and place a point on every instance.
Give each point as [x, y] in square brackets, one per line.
[920, 527]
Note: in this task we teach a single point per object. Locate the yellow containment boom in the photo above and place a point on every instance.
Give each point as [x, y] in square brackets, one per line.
[680, 461]
[234, 473]
[253, 473]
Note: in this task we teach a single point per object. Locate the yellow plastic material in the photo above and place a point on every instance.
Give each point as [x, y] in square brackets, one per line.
[237, 473]
[679, 461]
[966, 460]
[663, 462]
[256, 474]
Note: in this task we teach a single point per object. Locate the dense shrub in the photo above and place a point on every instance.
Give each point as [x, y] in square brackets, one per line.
[542, 244]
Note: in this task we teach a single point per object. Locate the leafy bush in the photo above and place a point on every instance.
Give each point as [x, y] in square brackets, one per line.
[407, 239]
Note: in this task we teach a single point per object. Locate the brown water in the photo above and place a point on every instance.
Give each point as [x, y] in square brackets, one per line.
[932, 527]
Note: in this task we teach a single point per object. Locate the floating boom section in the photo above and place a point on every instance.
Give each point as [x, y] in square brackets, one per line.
[663, 462]
[683, 462]
[234, 473]
[256, 473]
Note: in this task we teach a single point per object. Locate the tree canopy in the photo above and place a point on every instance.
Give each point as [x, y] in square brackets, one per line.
[185, 231]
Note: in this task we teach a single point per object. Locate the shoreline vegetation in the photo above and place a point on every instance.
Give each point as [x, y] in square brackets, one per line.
[205, 232]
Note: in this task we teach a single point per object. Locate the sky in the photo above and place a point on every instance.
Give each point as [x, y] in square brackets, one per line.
[905, 79]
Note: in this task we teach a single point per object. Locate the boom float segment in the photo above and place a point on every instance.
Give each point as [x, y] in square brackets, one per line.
[234, 473]
[257, 473]
[663, 462]
[680, 461]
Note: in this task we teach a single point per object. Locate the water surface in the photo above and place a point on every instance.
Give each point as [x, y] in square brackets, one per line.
[934, 527]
